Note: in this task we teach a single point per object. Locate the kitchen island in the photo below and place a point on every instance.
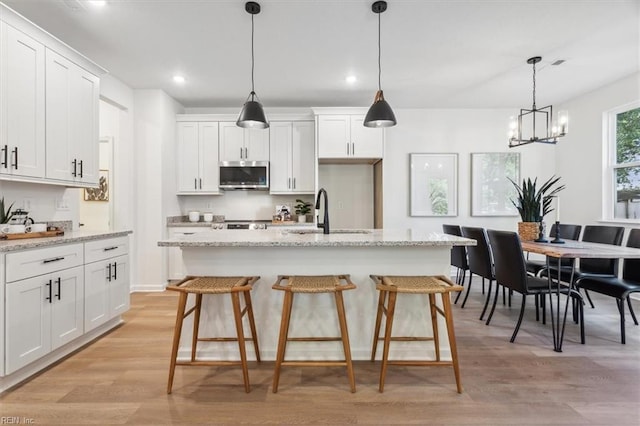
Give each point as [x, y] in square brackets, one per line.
[360, 253]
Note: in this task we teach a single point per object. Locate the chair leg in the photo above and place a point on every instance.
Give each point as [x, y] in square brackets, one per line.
[589, 299]
[434, 324]
[495, 300]
[391, 307]
[282, 339]
[344, 333]
[237, 314]
[633, 314]
[376, 333]
[537, 303]
[468, 290]
[620, 303]
[486, 302]
[504, 297]
[448, 316]
[515, 332]
[581, 319]
[543, 306]
[252, 323]
[464, 276]
[482, 285]
[177, 331]
[196, 326]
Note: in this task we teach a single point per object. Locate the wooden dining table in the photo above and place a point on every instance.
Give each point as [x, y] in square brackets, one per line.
[572, 250]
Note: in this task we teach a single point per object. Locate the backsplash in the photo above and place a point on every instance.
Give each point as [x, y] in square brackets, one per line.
[45, 203]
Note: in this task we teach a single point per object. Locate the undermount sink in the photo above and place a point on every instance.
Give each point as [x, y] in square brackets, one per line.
[332, 231]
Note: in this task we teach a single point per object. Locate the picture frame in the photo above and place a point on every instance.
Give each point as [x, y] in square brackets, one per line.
[101, 193]
[491, 190]
[434, 184]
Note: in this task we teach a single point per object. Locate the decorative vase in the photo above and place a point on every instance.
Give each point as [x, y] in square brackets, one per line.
[528, 231]
[302, 218]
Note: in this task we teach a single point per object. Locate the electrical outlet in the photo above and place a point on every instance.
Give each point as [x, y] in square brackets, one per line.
[340, 205]
[62, 204]
[27, 204]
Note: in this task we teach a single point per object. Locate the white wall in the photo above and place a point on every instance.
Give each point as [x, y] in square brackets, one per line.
[580, 159]
[461, 131]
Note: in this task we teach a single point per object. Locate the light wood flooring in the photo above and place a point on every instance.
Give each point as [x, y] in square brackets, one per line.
[121, 379]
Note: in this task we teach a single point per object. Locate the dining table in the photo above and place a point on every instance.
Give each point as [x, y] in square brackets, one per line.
[570, 249]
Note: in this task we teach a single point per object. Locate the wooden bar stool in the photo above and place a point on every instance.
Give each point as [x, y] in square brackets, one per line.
[214, 285]
[313, 284]
[389, 287]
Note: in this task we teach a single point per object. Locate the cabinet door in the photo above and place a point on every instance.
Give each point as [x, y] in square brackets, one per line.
[67, 308]
[231, 142]
[119, 299]
[96, 294]
[303, 160]
[366, 142]
[209, 168]
[333, 136]
[84, 98]
[188, 157]
[280, 154]
[28, 330]
[22, 104]
[256, 142]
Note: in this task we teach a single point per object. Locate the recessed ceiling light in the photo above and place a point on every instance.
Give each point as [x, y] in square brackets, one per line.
[351, 79]
[178, 79]
[97, 3]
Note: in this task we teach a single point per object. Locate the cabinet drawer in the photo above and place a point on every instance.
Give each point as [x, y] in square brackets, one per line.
[31, 263]
[105, 249]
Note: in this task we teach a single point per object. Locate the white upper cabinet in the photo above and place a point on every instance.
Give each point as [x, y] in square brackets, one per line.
[292, 153]
[344, 136]
[240, 144]
[198, 170]
[22, 104]
[72, 96]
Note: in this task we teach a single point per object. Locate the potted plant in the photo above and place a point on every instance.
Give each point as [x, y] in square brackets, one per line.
[5, 215]
[533, 203]
[302, 209]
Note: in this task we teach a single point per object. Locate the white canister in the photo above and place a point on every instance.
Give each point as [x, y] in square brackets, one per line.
[12, 229]
[194, 216]
[208, 217]
[39, 227]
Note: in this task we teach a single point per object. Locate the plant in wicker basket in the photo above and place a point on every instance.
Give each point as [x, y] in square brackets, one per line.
[529, 202]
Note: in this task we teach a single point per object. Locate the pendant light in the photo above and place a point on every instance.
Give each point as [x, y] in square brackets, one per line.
[380, 113]
[252, 114]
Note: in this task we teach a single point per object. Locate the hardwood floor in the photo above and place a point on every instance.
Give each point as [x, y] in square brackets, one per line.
[121, 379]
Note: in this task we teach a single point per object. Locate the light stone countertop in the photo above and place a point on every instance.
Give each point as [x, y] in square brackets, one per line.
[68, 237]
[304, 238]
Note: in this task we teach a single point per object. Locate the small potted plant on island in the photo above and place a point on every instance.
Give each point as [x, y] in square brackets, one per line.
[302, 209]
[533, 204]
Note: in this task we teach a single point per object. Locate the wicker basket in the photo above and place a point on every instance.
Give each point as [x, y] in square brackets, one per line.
[528, 231]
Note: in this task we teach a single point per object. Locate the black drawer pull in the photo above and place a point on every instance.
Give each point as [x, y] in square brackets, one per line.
[59, 286]
[110, 248]
[55, 259]
[109, 272]
[49, 284]
[115, 270]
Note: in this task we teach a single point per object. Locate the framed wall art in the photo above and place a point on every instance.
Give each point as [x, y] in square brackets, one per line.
[434, 184]
[491, 190]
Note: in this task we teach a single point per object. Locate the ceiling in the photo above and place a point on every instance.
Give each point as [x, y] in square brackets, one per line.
[435, 53]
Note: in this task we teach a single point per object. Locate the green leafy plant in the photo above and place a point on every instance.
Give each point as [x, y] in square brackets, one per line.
[530, 197]
[302, 208]
[5, 215]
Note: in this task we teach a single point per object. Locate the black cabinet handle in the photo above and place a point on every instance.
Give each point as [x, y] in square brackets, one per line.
[75, 167]
[59, 286]
[200, 183]
[109, 248]
[81, 168]
[5, 155]
[49, 285]
[246, 153]
[55, 259]
[109, 272]
[115, 271]
[195, 183]
[15, 156]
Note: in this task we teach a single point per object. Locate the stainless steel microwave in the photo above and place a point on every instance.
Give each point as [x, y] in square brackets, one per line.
[244, 175]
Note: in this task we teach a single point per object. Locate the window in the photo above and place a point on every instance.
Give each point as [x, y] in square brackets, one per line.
[623, 175]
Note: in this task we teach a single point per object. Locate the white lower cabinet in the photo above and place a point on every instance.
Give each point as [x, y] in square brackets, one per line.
[42, 314]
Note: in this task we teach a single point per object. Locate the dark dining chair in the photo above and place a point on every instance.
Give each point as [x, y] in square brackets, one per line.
[480, 261]
[511, 273]
[458, 257]
[567, 232]
[619, 288]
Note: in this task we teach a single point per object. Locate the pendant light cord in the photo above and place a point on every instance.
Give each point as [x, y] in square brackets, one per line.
[534, 86]
[253, 92]
[379, 54]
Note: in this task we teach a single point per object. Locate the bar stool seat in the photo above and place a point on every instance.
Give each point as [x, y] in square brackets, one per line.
[200, 286]
[313, 284]
[389, 287]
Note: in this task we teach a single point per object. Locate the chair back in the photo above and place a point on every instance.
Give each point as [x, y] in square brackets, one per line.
[509, 260]
[480, 261]
[602, 235]
[567, 232]
[458, 253]
[631, 269]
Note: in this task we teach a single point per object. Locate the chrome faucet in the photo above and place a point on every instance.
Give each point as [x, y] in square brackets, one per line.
[325, 223]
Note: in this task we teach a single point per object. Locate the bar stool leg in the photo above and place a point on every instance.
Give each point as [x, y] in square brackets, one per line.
[252, 323]
[345, 339]
[235, 299]
[177, 331]
[391, 306]
[196, 326]
[434, 324]
[376, 333]
[448, 316]
[282, 339]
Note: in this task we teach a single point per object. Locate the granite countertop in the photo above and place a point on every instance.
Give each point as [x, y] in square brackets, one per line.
[68, 237]
[310, 238]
